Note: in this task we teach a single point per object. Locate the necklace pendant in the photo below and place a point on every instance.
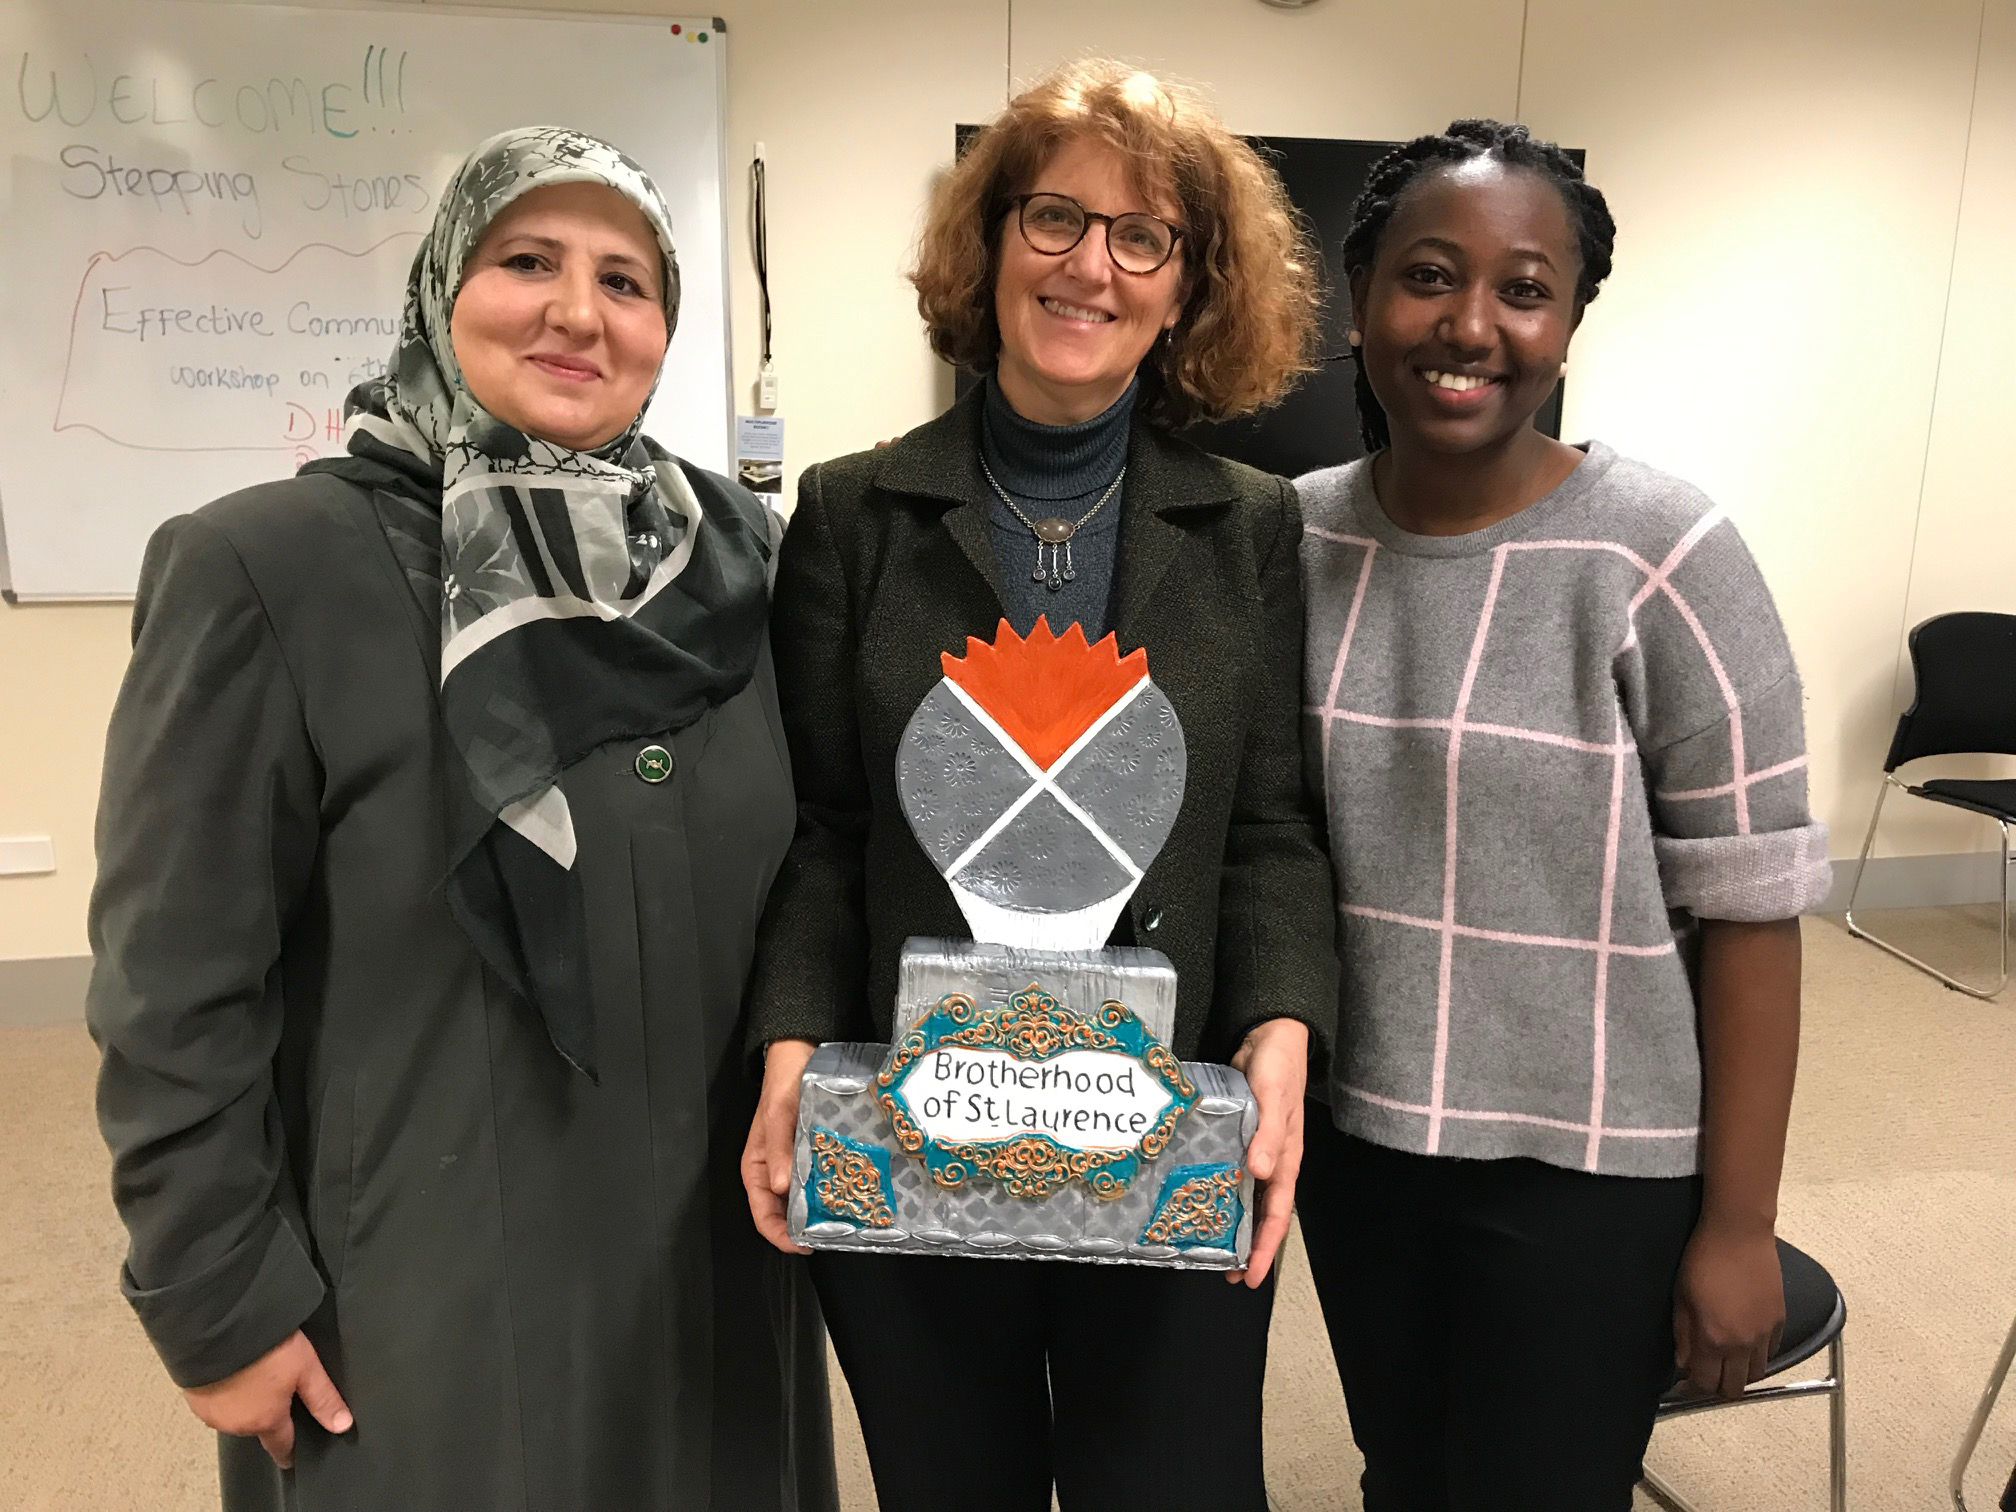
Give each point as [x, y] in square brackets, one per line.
[1054, 583]
[1053, 531]
[1070, 576]
[1040, 575]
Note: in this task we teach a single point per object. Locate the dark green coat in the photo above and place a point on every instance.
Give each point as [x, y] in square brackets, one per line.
[887, 563]
[536, 1294]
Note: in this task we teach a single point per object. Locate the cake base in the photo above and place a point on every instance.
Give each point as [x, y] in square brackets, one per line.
[1186, 1203]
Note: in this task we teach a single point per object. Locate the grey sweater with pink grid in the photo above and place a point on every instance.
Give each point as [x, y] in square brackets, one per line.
[1547, 747]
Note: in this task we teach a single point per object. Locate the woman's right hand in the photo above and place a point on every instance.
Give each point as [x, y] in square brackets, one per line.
[258, 1401]
[766, 1159]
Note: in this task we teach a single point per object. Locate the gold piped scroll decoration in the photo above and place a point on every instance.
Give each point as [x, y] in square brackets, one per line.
[1200, 1210]
[848, 1183]
[1031, 1166]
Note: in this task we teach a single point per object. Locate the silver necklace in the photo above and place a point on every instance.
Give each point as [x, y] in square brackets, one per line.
[1052, 534]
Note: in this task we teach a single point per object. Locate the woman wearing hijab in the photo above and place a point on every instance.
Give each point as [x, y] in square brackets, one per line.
[444, 790]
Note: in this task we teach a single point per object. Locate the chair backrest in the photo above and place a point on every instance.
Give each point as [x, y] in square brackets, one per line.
[1965, 666]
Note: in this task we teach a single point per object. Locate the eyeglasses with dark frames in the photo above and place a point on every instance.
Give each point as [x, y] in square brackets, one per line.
[1137, 242]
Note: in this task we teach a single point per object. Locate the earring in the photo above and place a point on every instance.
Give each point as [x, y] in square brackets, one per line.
[1564, 371]
[1355, 339]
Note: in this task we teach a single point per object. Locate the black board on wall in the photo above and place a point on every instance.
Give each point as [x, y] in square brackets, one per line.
[1317, 424]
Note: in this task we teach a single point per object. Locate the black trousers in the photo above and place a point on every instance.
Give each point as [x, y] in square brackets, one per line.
[1503, 1328]
[980, 1383]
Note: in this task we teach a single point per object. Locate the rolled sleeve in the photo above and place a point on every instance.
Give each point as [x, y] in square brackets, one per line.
[1754, 879]
[227, 1315]
[1735, 837]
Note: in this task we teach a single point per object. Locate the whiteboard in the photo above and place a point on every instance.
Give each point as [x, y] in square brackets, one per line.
[206, 217]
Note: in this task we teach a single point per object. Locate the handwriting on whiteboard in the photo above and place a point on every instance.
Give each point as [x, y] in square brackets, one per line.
[73, 91]
[91, 173]
[205, 331]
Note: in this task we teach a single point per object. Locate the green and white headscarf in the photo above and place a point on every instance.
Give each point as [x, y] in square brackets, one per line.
[584, 596]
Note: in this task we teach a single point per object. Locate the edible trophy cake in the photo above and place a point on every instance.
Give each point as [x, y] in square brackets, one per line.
[1030, 1105]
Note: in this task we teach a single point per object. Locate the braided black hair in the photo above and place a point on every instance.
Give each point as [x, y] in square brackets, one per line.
[1397, 172]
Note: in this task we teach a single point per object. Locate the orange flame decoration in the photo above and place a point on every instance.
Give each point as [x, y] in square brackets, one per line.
[1047, 690]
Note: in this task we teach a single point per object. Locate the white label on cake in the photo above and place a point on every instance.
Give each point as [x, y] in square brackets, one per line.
[1083, 1099]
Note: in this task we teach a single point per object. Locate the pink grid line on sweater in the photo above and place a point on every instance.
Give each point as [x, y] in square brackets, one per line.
[1350, 628]
[1620, 749]
[1493, 1115]
[1659, 579]
[1751, 779]
[1505, 936]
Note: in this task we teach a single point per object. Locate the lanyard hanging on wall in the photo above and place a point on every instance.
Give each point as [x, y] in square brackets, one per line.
[759, 438]
[766, 371]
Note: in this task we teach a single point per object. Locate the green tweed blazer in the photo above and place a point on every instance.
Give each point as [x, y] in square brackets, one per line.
[886, 564]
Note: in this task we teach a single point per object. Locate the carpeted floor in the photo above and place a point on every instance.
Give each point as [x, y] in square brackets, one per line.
[1901, 1179]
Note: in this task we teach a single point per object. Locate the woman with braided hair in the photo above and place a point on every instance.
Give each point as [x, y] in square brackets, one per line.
[1565, 775]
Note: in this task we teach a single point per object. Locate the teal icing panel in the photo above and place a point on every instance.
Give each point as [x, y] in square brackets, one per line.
[849, 1181]
[1199, 1208]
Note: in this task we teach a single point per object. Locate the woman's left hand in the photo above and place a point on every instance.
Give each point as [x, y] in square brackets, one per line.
[1728, 1309]
[1275, 1061]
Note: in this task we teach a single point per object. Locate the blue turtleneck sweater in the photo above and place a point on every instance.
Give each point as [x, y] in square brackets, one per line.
[1060, 471]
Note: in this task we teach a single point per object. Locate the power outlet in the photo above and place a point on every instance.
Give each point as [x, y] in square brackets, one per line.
[27, 855]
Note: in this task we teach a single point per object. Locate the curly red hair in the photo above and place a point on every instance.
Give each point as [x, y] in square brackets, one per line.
[1250, 302]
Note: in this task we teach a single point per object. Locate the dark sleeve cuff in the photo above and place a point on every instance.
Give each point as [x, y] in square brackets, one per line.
[1318, 1011]
[782, 1021]
[817, 1028]
[223, 1318]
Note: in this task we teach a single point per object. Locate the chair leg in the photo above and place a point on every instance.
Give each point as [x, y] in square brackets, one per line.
[2003, 918]
[1996, 1377]
[1836, 1387]
[1862, 865]
[1868, 845]
[1663, 1492]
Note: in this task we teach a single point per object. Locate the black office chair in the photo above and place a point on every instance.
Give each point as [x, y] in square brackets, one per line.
[1965, 704]
[1995, 1379]
[1815, 1316]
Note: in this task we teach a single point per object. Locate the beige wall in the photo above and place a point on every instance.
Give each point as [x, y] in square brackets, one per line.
[1347, 69]
[1787, 178]
[1966, 517]
[1811, 316]
[59, 665]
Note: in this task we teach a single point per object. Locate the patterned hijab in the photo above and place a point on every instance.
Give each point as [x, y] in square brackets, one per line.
[584, 596]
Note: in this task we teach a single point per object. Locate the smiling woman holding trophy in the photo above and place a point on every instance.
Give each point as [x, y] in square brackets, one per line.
[1057, 908]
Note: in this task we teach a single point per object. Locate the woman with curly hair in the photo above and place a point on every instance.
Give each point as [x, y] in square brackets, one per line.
[1116, 265]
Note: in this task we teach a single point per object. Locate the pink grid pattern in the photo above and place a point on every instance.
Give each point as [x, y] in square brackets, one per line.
[1621, 749]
